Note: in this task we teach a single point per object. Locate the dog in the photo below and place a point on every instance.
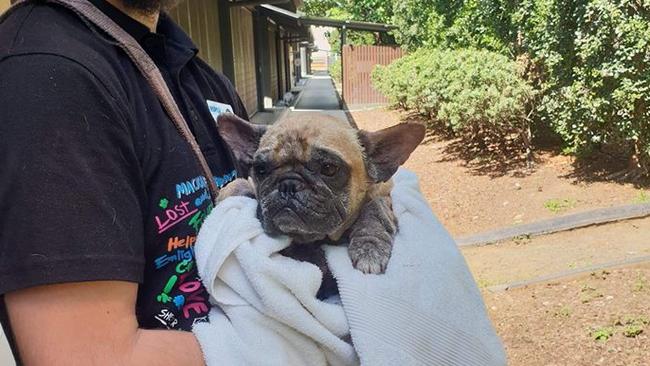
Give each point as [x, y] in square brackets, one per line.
[318, 180]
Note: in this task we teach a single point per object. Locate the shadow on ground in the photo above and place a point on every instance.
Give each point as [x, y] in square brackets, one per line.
[509, 159]
[602, 167]
[480, 158]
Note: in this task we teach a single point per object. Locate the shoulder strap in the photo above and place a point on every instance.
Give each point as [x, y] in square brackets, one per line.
[149, 70]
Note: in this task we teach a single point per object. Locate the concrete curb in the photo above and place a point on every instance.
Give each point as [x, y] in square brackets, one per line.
[563, 223]
[300, 93]
[567, 274]
[344, 107]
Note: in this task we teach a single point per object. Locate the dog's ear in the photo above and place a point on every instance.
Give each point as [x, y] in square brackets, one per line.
[242, 137]
[387, 149]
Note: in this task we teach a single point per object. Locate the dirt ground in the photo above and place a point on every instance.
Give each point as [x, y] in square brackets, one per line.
[597, 319]
[472, 195]
[527, 258]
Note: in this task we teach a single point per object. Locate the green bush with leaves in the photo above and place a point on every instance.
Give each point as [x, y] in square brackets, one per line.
[587, 61]
[475, 94]
[335, 70]
[603, 100]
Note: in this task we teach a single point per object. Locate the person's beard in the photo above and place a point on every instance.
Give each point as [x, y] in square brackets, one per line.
[150, 6]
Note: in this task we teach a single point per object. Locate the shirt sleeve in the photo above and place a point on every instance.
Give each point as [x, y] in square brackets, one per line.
[71, 188]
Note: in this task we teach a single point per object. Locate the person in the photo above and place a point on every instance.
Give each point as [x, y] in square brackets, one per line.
[101, 197]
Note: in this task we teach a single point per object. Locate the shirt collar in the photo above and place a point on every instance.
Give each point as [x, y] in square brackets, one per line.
[136, 29]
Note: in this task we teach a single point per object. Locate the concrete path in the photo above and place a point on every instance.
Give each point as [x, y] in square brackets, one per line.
[319, 95]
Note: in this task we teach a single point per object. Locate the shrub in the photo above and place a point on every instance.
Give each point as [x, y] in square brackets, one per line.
[601, 97]
[586, 59]
[475, 94]
[335, 70]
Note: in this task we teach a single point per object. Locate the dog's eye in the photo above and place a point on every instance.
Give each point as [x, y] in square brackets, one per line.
[260, 168]
[329, 169]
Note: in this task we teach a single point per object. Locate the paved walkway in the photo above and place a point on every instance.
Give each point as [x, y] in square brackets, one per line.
[319, 95]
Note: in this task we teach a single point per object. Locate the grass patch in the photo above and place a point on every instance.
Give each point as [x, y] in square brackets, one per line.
[483, 283]
[632, 319]
[640, 284]
[632, 325]
[632, 330]
[557, 205]
[642, 197]
[602, 334]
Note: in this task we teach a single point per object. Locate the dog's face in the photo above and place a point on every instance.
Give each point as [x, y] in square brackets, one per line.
[311, 172]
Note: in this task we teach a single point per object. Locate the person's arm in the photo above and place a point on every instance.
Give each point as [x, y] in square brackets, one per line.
[72, 197]
[91, 323]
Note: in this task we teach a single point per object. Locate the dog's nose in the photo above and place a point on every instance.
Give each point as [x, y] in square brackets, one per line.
[289, 186]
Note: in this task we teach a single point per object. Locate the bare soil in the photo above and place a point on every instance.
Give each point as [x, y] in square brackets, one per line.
[472, 194]
[597, 319]
[592, 320]
[527, 258]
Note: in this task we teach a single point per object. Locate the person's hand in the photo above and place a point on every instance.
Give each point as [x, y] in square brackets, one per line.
[425, 309]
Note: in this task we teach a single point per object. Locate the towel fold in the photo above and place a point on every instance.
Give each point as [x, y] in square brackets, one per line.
[425, 310]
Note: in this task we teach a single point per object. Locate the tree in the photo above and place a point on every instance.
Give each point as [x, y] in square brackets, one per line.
[376, 11]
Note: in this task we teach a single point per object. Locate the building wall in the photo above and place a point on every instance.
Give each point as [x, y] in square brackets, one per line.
[273, 61]
[292, 66]
[243, 43]
[200, 19]
[283, 69]
[4, 5]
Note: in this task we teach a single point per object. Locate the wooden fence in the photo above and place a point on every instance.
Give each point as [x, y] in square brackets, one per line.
[358, 63]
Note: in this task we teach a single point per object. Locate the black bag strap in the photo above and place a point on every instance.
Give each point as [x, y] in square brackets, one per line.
[89, 13]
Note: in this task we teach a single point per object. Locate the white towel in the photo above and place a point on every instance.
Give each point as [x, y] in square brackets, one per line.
[425, 310]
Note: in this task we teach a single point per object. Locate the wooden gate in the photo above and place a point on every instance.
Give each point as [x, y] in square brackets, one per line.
[358, 63]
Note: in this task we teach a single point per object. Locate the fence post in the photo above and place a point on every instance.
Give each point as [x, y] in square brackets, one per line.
[344, 37]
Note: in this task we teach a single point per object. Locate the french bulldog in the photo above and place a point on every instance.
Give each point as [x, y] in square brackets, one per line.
[318, 180]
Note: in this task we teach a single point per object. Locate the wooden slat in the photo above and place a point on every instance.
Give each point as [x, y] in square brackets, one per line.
[244, 57]
[562, 223]
[292, 69]
[213, 36]
[199, 18]
[564, 275]
[283, 71]
[201, 38]
[273, 60]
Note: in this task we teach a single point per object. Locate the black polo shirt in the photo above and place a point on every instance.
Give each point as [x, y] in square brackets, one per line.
[96, 182]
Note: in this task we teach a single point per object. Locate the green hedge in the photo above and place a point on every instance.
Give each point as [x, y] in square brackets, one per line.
[597, 75]
[588, 61]
[475, 94]
[335, 70]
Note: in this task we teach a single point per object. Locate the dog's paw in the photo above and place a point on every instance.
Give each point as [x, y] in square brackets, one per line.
[238, 187]
[369, 255]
